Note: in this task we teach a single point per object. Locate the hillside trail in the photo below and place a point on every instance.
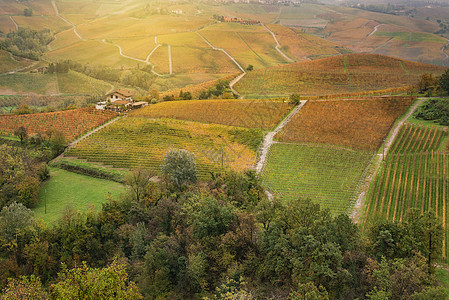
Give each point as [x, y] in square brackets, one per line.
[231, 58]
[278, 46]
[53, 3]
[15, 24]
[356, 212]
[20, 68]
[72, 144]
[268, 139]
[374, 30]
[444, 49]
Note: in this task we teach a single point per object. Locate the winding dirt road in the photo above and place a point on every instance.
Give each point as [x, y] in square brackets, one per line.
[268, 139]
[278, 46]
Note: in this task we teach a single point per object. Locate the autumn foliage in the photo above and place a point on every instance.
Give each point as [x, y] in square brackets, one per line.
[244, 113]
[72, 123]
[357, 123]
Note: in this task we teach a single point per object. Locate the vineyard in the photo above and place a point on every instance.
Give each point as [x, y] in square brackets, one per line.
[72, 123]
[132, 142]
[359, 124]
[326, 174]
[261, 114]
[414, 175]
[334, 75]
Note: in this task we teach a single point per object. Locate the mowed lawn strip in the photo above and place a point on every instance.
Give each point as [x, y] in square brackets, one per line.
[325, 174]
[79, 191]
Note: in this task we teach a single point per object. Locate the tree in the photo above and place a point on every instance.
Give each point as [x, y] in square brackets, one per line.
[179, 166]
[87, 283]
[444, 81]
[27, 12]
[294, 99]
[14, 218]
[25, 288]
[250, 68]
[21, 133]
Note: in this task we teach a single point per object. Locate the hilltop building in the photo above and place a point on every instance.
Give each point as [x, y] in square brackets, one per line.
[120, 100]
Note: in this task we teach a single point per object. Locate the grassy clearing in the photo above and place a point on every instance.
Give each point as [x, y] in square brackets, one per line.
[132, 142]
[79, 191]
[328, 175]
[8, 63]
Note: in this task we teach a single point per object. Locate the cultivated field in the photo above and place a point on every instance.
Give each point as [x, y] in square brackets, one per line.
[27, 82]
[335, 75]
[358, 124]
[260, 114]
[132, 142]
[325, 174]
[414, 175]
[72, 123]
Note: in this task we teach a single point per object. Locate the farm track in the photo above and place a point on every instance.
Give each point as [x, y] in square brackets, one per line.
[374, 30]
[15, 24]
[278, 46]
[154, 49]
[222, 50]
[170, 63]
[53, 3]
[72, 144]
[355, 215]
[444, 50]
[268, 139]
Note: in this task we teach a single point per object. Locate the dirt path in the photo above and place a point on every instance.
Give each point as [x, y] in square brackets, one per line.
[374, 30]
[21, 68]
[444, 48]
[355, 215]
[222, 50]
[154, 49]
[15, 24]
[268, 139]
[170, 64]
[72, 144]
[278, 46]
[234, 81]
[67, 21]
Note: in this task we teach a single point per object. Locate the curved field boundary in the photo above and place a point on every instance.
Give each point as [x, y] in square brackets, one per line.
[67, 21]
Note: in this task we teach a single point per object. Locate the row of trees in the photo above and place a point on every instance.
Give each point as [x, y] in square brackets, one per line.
[220, 239]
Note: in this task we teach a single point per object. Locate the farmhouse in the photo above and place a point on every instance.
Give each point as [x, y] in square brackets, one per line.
[119, 95]
[120, 100]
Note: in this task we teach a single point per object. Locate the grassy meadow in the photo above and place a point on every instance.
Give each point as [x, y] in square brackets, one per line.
[70, 189]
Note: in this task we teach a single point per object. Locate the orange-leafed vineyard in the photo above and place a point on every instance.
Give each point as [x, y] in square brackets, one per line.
[262, 114]
[196, 89]
[335, 75]
[72, 123]
[360, 124]
[414, 175]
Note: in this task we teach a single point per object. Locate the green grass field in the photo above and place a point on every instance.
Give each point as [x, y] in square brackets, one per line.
[325, 174]
[70, 189]
[77, 83]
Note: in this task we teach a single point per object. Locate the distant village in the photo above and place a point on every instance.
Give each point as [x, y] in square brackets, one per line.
[236, 20]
